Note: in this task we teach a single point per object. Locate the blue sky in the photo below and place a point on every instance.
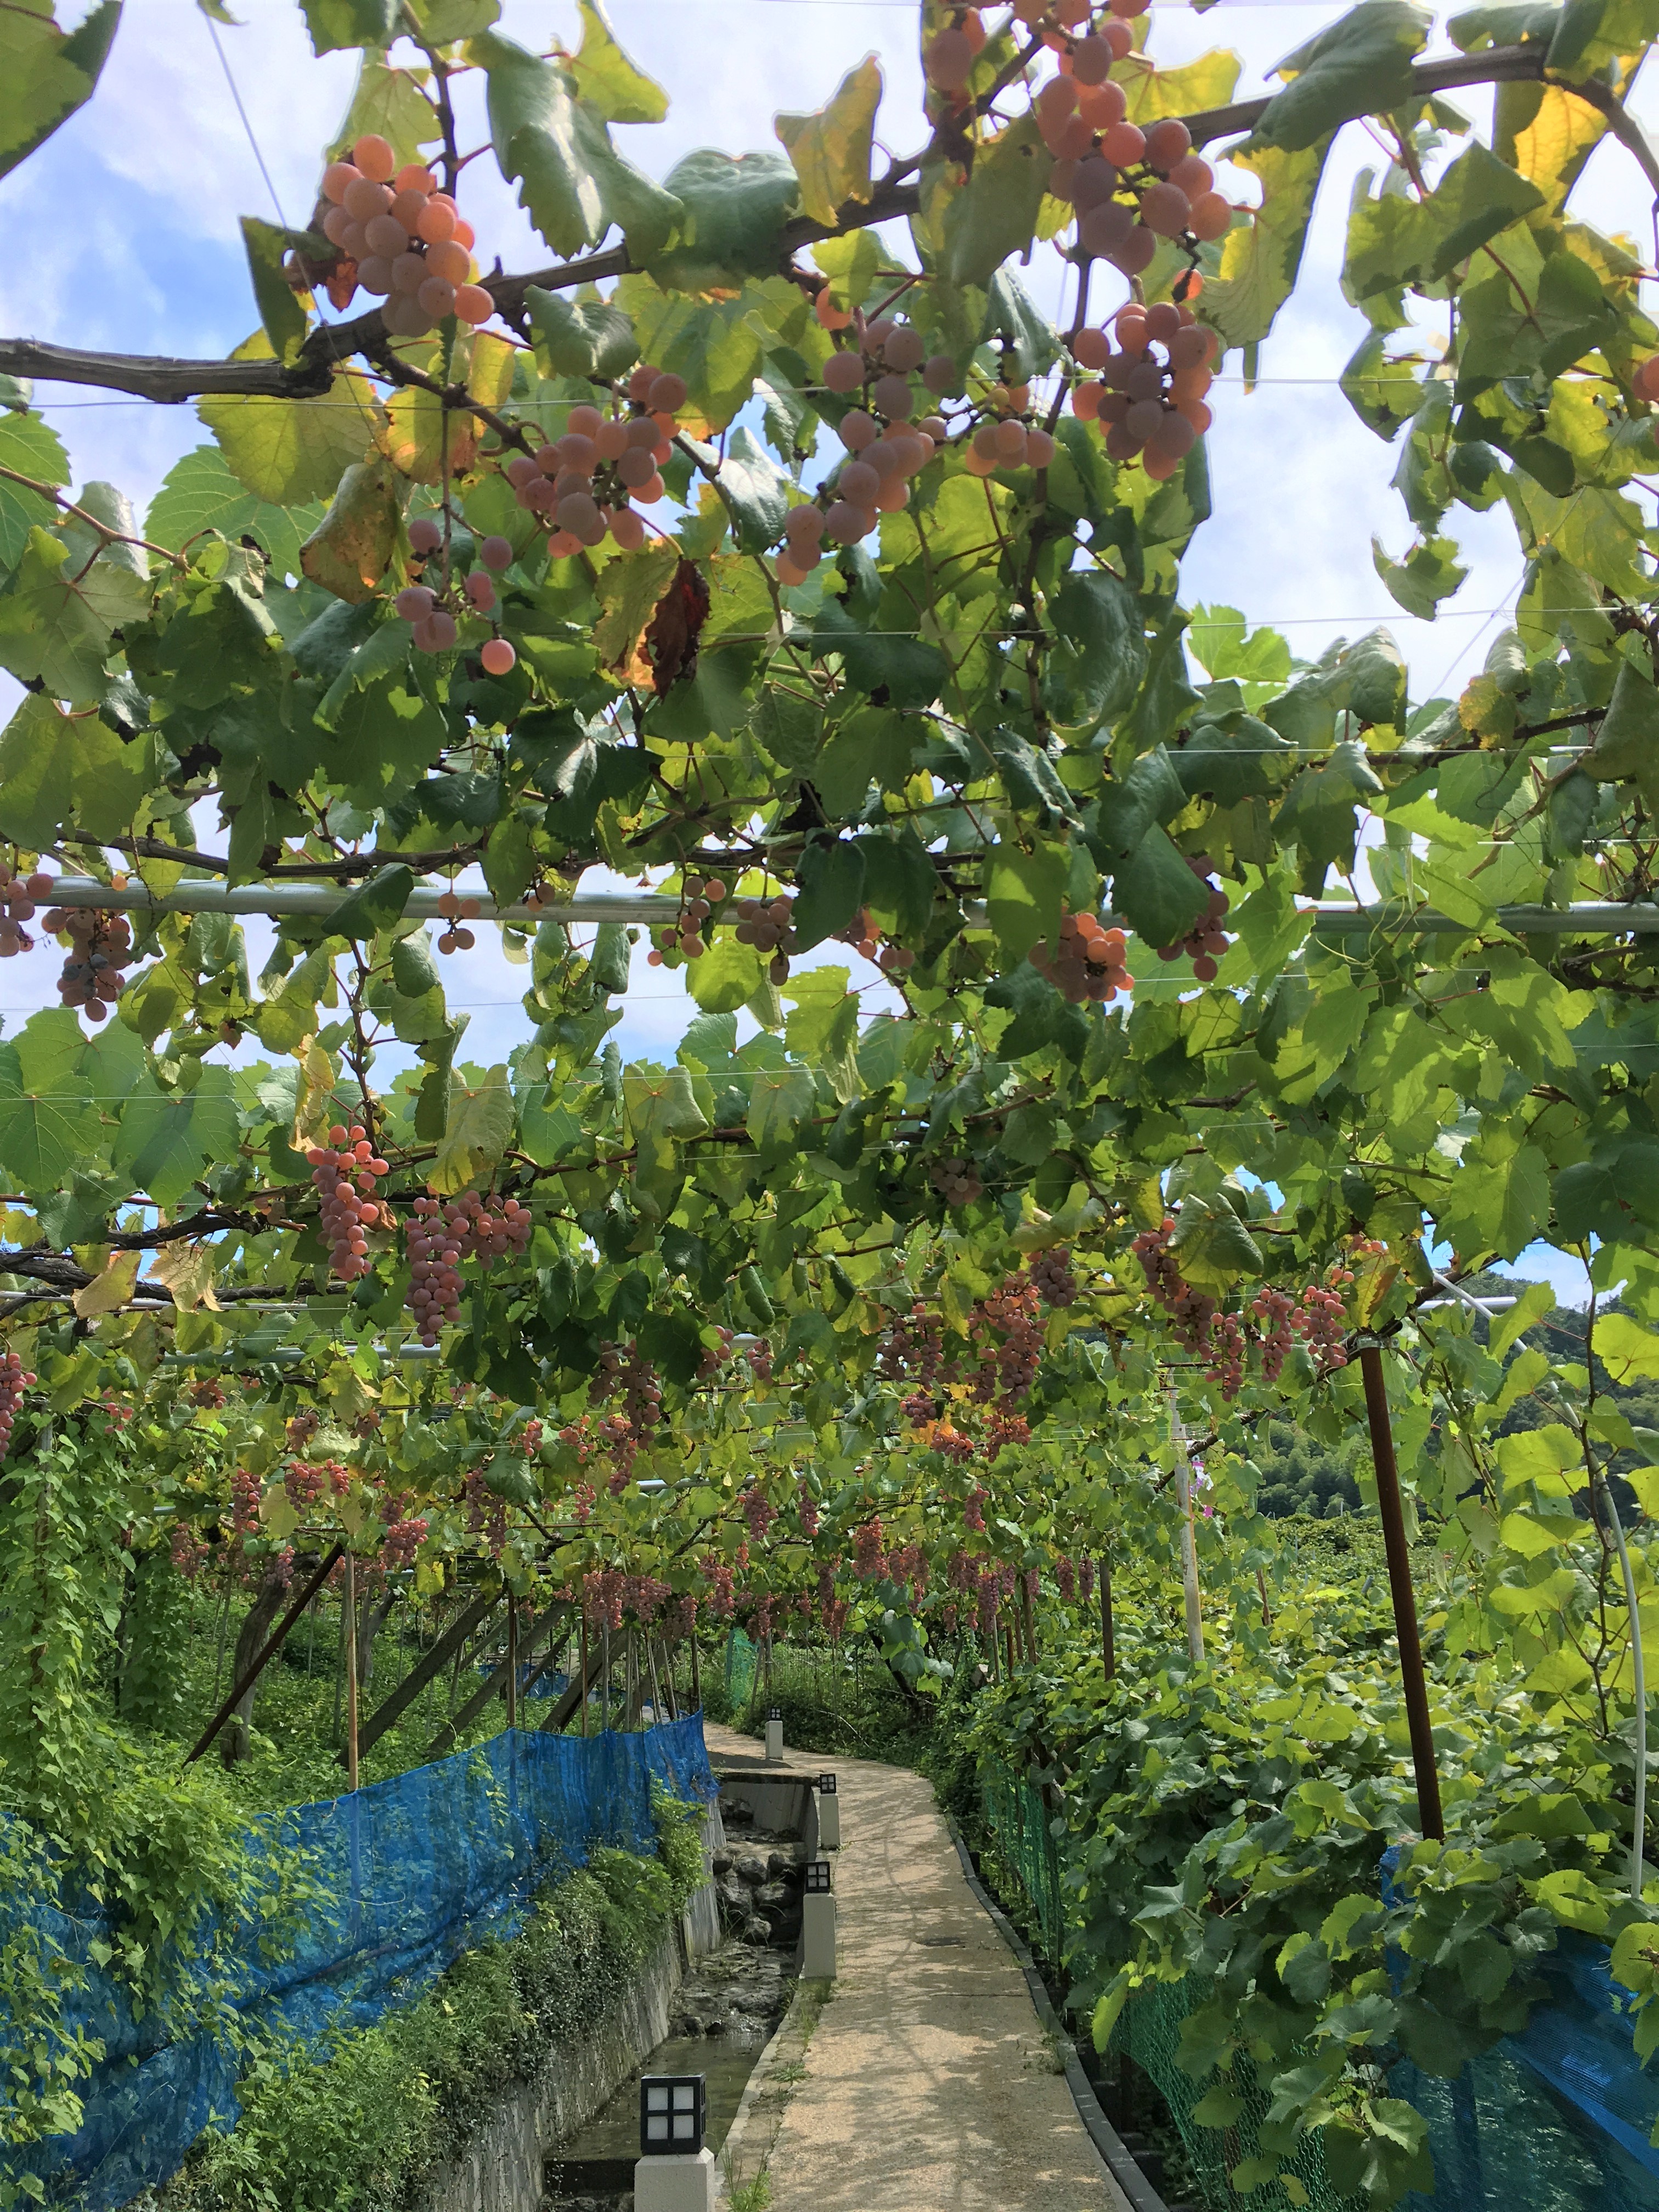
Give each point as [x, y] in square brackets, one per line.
[131, 216]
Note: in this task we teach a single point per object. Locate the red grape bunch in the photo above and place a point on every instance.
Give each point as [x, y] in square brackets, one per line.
[99, 946]
[422, 605]
[765, 924]
[456, 911]
[409, 244]
[863, 935]
[1130, 187]
[1205, 940]
[1192, 1313]
[19, 897]
[1274, 1311]
[912, 1347]
[581, 484]
[14, 1379]
[957, 1182]
[303, 1426]
[1322, 1323]
[715, 1357]
[1051, 1273]
[440, 1235]
[1011, 1338]
[404, 1539]
[1007, 444]
[699, 898]
[624, 1373]
[1151, 406]
[345, 1171]
[875, 478]
[1086, 962]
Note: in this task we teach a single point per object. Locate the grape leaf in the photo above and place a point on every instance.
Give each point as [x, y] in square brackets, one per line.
[608, 81]
[831, 148]
[46, 74]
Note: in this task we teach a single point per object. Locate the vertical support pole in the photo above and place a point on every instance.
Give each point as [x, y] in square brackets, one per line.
[1029, 1619]
[352, 1671]
[584, 1674]
[696, 1674]
[1638, 1827]
[1107, 1638]
[1393, 1517]
[1183, 1472]
[605, 1669]
[512, 1661]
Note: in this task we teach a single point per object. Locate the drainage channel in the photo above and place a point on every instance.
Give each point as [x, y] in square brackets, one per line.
[723, 2013]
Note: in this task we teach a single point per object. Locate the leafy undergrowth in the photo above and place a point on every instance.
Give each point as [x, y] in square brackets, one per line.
[839, 1702]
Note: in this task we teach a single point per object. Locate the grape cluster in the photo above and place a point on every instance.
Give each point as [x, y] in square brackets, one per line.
[245, 1498]
[423, 606]
[912, 1345]
[1007, 444]
[869, 1551]
[758, 1511]
[457, 911]
[14, 1379]
[863, 935]
[1273, 1311]
[345, 1171]
[1004, 1428]
[100, 947]
[716, 1356]
[1192, 1313]
[19, 896]
[407, 242]
[303, 1426]
[1229, 1346]
[1007, 1321]
[404, 1539]
[209, 1395]
[1205, 940]
[699, 898]
[622, 1373]
[957, 1182]
[1052, 1276]
[1066, 1580]
[765, 924]
[1148, 399]
[1086, 961]
[440, 1235]
[875, 478]
[1322, 1323]
[1129, 187]
[1087, 1579]
[580, 484]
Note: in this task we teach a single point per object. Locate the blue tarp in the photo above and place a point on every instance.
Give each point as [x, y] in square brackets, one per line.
[418, 1871]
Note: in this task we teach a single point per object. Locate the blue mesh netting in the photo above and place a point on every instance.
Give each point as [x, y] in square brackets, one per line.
[417, 1870]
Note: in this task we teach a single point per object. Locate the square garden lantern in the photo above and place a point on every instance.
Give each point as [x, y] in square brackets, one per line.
[673, 2113]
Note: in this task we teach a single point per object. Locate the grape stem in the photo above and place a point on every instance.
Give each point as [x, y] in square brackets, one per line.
[109, 536]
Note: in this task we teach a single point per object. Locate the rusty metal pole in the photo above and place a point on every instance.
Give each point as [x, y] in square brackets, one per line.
[1393, 1517]
[1108, 1639]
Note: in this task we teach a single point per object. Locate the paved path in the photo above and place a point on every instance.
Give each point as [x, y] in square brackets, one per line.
[928, 2086]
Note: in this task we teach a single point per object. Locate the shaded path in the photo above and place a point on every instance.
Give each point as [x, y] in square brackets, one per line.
[929, 2085]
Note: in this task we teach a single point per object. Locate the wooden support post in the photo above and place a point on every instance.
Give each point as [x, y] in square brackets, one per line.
[1391, 1513]
[584, 1674]
[448, 1645]
[1108, 1638]
[351, 1672]
[1028, 1619]
[239, 1690]
[696, 1674]
[605, 1669]
[512, 1661]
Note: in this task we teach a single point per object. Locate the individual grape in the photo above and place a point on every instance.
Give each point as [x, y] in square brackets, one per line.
[406, 207]
[409, 273]
[904, 349]
[1212, 216]
[374, 275]
[336, 224]
[859, 483]
[406, 318]
[857, 430]
[843, 372]
[497, 657]
[804, 525]
[891, 396]
[438, 297]
[480, 591]
[364, 199]
[425, 535]
[1124, 145]
[386, 237]
[440, 630]
[336, 178]
[667, 395]
[846, 523]
[473, 304]
[438, 221]
[1092, 61]
[374, 157]
[626, 527]
[1165, 210]
[1101, 105]
[941, 375]
[497, 554]
[450, 261]
[1167, 142]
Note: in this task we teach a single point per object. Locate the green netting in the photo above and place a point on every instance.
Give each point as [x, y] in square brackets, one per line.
[1017, 1817]
[741, 1659]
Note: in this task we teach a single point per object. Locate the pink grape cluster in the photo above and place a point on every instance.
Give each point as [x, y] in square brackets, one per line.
[1007, 444]
[1274, 1311]
[758, 1511]
[869, 1551]
[766, 925]
[874, 480]
[1004, 1428]
[580, 484]
[245, 1498]
[304, 1483]
[1129, 187]
[404, 1539]
[1086, 962]
[1005, 1326]
[99, 946]
[14, 1379]
[433, 620]
[345, 1171]
[1322, 1323]
[1192, 1313]
[19, 897]
[1052, 1277]
[957, 1181]
[716, 1357]
[912, 1347]
[1206, 941]
[440, 1235]
[865, 937]
[457, 913]
[1149, 397]
[302, 1427]
[623, 1374]
[410, 244]
[699, 900]
[806, 1511]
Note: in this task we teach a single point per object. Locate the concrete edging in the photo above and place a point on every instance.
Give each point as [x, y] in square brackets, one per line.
[1118, 2158]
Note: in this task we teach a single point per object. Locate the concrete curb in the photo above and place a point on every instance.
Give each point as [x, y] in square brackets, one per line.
[787, 2041]
[1118, 2158]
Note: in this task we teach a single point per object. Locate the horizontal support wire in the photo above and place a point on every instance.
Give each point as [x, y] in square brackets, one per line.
[316, 902]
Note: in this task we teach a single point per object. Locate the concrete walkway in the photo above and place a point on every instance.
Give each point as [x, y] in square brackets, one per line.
[929, 2085]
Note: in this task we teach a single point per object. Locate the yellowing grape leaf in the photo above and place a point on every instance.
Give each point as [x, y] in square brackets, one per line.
[831, 148]
[285, 451]
[112, 1288]
[477, 1132]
